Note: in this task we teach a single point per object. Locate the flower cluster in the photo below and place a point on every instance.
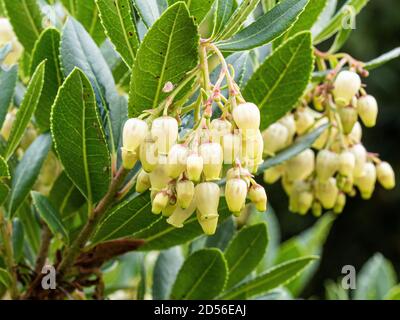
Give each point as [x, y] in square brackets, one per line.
[338, 163]
[7, 36]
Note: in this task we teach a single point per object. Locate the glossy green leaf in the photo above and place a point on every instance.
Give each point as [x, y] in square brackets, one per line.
[393, 294]
[18, 239]
[5, 277]
[117, 19]
[79, 50]
[197, 8]
[375, 279]
[340, 40]
[47, 48]
[8, 81]
[148, 10]
[26, 19]
[26, 110]
[290, 66]
[168, 52]
[267, 28]
[271, 279]
[202, 276]
[31, 225]
[128, 218]
[4, 171]
[70, 5]
[223, 236]
[223, 11]
[245, 252]
[166, 269]
[325, 17]
[87, 13]
[381, 60]
[336, 23]
[4, 191]
[49, 215]
[27, 171]
[79, 138]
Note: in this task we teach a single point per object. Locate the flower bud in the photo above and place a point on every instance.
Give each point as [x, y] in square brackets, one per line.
[207, 200]
[253, 148]
[360, 154]
[301, 166]
[169, 210]
[148, 154]
[386, 175]
[134, 133]
[143, 182]
[194, 166]
[304, 120]
[327, 192]
[318, 101]
[213, 158]
[346, 86]
[129, 158]
[297, 189]
[275, 138]
[368, 110]
[160, 202]
[158, 177]
[366, 182]
[177, 159]
[247, 117]
[273, 174]
[347, 163]
[348, 116]
[258, 196]
[235, 195]
[355, 135]
[232, 145]
[165, 132]
[180, 216]
[340, 203]
[326, 165]
[290, 124]
[305, 202]
[184, 193]
[287, 184]
[320, 143]
[219, 128]
[208, 223]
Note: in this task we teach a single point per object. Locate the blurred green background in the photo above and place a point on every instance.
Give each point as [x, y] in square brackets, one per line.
[365, 227]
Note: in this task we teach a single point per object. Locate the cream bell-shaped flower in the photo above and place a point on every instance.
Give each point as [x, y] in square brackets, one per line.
[366, 182]
[327, 192]
[300, 166]
[360, 153]
[184, 193]
[348, 116]
[247, 118]
[160, 202]
[194, 167]
[386, 176]
[158, 177]
[290, 124]
[355, 135]
[8, 124]
[207, 201]
[219, 128]
[177, 159]
[346, 86]
[327, 164]
[134, 133]
[165, 132]
[305, 202]
[340, 203]
[275, 138]
[258, 197]
[15, 54]
[235, 195]
[169, 209]
[367, 107]
[180, 215]
[148, 154]
[232, 147]
[347, 163]
[321, 141]
[272, 175]
[143, 182]
[297, 189]
[213, 158]
[304, 120]
[253, 148]
[6, 31]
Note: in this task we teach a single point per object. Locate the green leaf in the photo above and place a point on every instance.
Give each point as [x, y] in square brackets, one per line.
[325, 17]
[142, 286]
[202, 276]
[238, 18]
[162, 235]
[26, 19]
[79, 50]
[223, 235]
[5, 277]
[31, 225]
[197, 8]
[126, 219]
[340, 40]
[290, 66]
[375, 279]
[4, 191]
[306, 20]
[70, 5]
[87, 13]
[245, 252]
[271, 279]
[50, 215]
[4, 171]
[148, 10]
[79, 138]
[393, 294]
[117, 19]
[381, 60]
[8, 81]
[336, 23]
[168, 52]
[223, 11]
[165, 271]
[18, 239]
[27, 171]
[267, 28]
[47, 48]
[26, 110]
